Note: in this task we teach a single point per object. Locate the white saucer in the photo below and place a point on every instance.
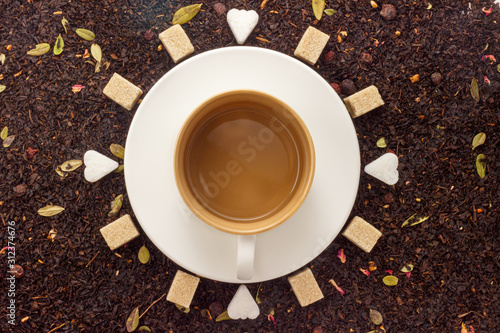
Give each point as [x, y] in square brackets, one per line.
[149, 152]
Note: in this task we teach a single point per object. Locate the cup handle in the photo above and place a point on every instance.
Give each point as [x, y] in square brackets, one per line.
[245, 256]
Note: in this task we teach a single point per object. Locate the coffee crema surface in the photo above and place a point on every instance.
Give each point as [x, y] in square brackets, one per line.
[243, 162]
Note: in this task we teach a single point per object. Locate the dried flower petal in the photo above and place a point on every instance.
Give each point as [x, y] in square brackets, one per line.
[488, 11]
[486, 80]
[77, 88]
[365, 271]
[342, 292]
[388, 271]
[30, 152]
[372, 267]
[489, 56]
[341, 256]
[408, 274]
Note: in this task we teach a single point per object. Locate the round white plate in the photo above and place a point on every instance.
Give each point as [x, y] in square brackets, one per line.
[149, 152]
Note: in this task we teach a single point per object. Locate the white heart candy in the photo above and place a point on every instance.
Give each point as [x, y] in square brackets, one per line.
[384, 168]
[242, 23]
[243, 305]
[97, 165]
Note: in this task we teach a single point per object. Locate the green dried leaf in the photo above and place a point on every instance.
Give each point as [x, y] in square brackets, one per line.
[59, 45]
[223, 316]
[85, 34]
[60, 172]
[144, 255]
[257, 297]
[143, 329]
[478, 140]
[481, 166]
[5, 133]
[64, 22]
[119, 169]
[185, 14]
[132, 320]
[39, 49]
[318, 7]
[390, 280]
[96, 52]
[117, 150]
[407, 268]
[2, 58]
[71, 165]
[8, 141]
[376, 317]
[381, 143]
[414, 220]
[2, 88]
[116, 205]
[50, 210]
[474, 90]
[330, 11]
[498, 67]
[183, 309]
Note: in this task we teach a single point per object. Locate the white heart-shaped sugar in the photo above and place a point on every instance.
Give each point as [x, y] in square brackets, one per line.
[97, 165]
[384, 168]
[242, 23]
[243, 305]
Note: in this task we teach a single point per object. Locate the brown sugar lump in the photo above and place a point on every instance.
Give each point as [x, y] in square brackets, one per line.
[122, 91]
[176, 43]
[311, 45]
[362, 233]
[119, 232]
[363, 101]
[182, 289]
[305, 287]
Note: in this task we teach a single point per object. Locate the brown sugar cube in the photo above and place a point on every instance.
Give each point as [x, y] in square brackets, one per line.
[305, 287]
[182, 289]
[362, 233]
[363, 101]
[122, 91]
[176, 43]
[119, 232]
[311, 45]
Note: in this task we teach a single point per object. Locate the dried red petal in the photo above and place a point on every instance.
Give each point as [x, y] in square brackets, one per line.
[488, 11]
[486, 80]
[388, 271]
[408, 274]
[365, 271]
[31, 152]
[341, 256]
[489, 56]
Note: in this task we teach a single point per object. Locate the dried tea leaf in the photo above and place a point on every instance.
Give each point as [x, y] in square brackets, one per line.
[143, 329]
[96, 52]
[257, 297]
[8, 141]
[2, 58]
[71, 165]
[185, 14]
[330, 11]
[59, 45]
[407, 268]
[318, 7]
[480, 165]
[223, 316]
[132, 320]
[474, 90]
[498, 67]
[116, 205]
[390, 280]
[117, 150]
[183, 309]
[5, 133]
[39, 49]
[64, 22]
[2, 88]
[144, 255]
[85, 34]
[478, 140]
[414, 220]
[381, 143]
[376, 317]
[50, 210]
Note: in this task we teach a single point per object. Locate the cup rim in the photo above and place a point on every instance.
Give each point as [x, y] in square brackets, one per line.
[251, 227]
